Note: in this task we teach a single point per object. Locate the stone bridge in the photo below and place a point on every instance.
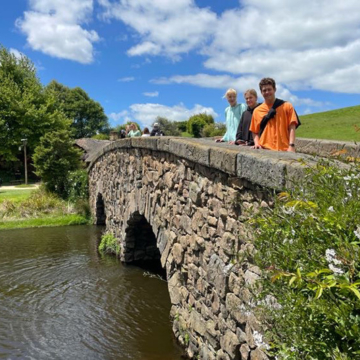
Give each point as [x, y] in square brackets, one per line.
[186, 203]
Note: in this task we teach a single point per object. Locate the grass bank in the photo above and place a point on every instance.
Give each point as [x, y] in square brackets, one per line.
[341, 124]
[36, 208]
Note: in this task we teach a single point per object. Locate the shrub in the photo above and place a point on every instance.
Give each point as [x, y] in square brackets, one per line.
[109, 244]
[76, 185]
[197, 122]
[210, 130]
[308, 247]
[54, 158]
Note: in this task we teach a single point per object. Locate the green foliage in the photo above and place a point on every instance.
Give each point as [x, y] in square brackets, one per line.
[210, 130]
[340, 124]
[101, 137]
[181, 125]
[169, 127]
[26, 111]
[109, 244]
[186, 134]
[87, 116]
[308, 247]
[196, 123]
[76, 185]
[54, 158]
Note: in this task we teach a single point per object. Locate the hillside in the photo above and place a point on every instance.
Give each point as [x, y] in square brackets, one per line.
[340, 124]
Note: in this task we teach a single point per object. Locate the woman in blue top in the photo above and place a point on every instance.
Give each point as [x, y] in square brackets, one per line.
[233, 115]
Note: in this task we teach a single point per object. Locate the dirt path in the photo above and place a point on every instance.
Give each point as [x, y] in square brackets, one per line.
[33, 186]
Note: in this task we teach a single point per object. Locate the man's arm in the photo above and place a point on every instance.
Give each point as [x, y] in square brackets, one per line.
[292, 128]
[256, 141]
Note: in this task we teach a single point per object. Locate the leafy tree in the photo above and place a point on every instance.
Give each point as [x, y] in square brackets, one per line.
[54, 158]
[182, 125]
[87, 116]
[25, 110]
[197, 122]
[169, 127]
[216, 129]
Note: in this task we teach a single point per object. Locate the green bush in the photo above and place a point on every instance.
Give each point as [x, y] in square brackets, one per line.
[54, 158]
[76, 185]
[210, 130]
[308, 248]
[197, 122]
[109, 244]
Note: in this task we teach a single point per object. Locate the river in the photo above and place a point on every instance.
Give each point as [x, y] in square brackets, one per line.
[60, 299]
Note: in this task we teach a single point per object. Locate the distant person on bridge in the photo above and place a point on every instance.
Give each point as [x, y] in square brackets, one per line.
[133, 131]
[244, 135]
[156, 131]
[233, 114]
[274, 122]
[146, 132]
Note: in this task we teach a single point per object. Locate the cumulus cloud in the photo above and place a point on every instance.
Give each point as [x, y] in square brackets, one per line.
[241, 84]
[147, 113]
[167, 28]
[307, 45]
[55, 28]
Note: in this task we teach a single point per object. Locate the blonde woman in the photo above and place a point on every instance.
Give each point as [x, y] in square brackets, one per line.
[233, 115]
[133, 131]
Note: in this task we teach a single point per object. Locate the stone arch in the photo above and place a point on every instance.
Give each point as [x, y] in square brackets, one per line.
[140, 244]
[100, 210]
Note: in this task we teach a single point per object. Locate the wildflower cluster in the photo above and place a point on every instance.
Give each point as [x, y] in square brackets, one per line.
[309, 248]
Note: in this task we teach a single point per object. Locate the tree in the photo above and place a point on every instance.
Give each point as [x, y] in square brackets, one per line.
[197, 122]
[25, 110]
[216, 129]
[169, 127]
[55, 158]
[87, 115]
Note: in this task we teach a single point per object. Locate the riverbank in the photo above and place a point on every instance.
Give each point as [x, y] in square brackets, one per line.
[33, 207]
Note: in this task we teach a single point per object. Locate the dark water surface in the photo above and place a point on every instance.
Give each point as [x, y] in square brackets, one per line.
[59, 299]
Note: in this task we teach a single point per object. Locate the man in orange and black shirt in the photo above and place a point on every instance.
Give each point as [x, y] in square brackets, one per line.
[273, 129]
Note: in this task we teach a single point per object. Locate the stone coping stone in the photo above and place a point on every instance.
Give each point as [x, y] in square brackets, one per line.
[266, 168]
[327, 148]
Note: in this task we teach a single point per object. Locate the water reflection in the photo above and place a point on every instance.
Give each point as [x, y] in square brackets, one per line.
[60, 300]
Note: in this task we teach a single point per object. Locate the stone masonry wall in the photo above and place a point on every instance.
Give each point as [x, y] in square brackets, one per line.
[198, 214]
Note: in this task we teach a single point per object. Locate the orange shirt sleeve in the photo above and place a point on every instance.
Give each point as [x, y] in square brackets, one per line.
[255, 123]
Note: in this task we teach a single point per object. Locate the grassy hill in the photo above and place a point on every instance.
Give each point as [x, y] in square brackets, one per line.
[340, 124]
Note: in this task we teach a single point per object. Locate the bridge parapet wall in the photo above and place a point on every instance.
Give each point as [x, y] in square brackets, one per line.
[197, 198]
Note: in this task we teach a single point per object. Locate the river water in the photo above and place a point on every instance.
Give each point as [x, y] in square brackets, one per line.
[59, 299]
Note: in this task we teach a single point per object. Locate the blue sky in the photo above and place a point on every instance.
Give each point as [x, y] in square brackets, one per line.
[144, 58]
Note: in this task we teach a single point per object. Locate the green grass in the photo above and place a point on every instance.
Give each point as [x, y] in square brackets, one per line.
[341, 124]
[70, 219]
[15, 195]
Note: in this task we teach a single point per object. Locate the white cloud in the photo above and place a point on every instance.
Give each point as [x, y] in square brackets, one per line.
[127, 79]
[54, 27]
[306, 45]
[147, 113]
[151, 94]
[241, 84]
[167, 28]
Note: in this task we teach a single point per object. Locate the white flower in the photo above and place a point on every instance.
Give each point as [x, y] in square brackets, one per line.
[292, 232]
[329, 255]
[357, 232]
[258, 339]
[335, 269]
[331, 208]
